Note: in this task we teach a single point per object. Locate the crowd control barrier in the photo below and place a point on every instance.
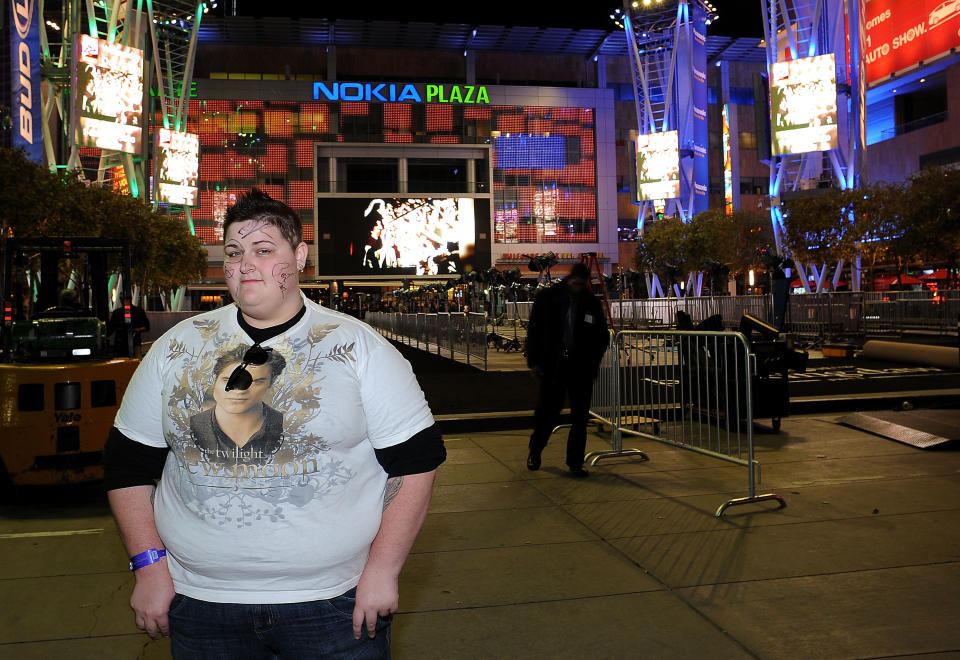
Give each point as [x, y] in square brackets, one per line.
[692, 390]
[461, 337]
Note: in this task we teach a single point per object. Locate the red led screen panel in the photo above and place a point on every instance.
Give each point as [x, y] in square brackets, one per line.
[300, 194]
[348, 108]
[272, 145]
[439, 118]
[275, 160]
[397, 116]
[397, 136]
[305, 150]
[901, 34]
[278, 123]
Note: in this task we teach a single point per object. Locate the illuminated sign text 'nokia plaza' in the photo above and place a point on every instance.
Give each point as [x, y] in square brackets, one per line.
[391, 92]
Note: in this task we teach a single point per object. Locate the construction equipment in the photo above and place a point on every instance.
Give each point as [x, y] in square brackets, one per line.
[61, 383]
[589, 259]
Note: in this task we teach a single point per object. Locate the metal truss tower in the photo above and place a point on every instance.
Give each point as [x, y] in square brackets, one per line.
[666, 44]
[795, 29]
[166, 31]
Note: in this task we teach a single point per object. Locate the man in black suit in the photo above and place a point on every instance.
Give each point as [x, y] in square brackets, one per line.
[566, 339]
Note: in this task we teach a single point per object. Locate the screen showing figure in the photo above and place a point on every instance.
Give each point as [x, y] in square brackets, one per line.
[109, 91]
[803, 105]
[658, 166]
[414, 236]
[177, 167]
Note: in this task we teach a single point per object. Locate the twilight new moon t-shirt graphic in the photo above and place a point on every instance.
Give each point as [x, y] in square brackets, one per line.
[261, 442]
[240, 423]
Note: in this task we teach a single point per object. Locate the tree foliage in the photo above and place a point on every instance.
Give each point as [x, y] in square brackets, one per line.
[931, 217]
[917, 222]
[674, 249]
[37, 202]
[817, 226]
[661, 248]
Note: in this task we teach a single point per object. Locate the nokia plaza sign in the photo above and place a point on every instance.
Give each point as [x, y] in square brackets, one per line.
[400, 93]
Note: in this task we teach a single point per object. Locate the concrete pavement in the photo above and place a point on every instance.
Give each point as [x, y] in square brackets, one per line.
[630, 563]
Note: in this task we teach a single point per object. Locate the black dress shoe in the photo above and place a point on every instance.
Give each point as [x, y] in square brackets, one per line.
[579, 473]
[533, 460]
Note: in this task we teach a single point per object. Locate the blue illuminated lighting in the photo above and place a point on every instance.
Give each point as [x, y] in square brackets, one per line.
[531, 152]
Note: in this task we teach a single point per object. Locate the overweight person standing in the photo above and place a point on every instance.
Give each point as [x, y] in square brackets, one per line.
[290, 548]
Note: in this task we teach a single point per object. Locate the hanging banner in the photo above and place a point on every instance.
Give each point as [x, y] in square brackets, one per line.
[901, 35]
[25, 78]
[701, 167]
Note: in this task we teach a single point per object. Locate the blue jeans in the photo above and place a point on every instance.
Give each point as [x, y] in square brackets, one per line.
[200, 630]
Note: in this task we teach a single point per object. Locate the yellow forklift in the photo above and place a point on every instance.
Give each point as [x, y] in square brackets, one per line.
[61, 381]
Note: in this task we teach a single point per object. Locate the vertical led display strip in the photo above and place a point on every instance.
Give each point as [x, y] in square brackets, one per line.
[803, 105]
[109, 95]
[177, 167]
[727, 165]
[658, 166]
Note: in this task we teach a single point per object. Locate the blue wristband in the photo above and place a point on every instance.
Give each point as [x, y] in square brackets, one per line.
[151, 556]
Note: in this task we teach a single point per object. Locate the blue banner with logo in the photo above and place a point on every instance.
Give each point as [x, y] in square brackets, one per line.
[701, 170]
[25, 76]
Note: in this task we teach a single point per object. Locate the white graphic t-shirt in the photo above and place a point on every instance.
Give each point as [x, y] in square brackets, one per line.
[271, 494]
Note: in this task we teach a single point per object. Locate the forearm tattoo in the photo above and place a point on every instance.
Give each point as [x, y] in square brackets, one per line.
[393, 487]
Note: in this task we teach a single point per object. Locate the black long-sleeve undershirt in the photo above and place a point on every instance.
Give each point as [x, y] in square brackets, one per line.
[127, 462]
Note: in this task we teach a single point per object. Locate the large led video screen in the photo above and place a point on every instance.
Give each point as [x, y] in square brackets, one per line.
[803, 105]
[109, 94]
[658, 166]
[403, 236]
[177, 167]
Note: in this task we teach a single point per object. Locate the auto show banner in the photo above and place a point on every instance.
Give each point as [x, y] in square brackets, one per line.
[901, 35]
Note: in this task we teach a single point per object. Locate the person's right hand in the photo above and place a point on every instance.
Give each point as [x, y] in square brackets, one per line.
[151, 599]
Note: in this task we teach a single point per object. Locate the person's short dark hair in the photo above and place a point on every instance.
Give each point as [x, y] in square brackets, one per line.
[68, 298]
[275, 361]
[258, 205]
[579, 271]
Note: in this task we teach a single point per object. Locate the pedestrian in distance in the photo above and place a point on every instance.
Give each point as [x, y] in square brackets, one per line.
[566, 339]
[295, 454]
[139, 322]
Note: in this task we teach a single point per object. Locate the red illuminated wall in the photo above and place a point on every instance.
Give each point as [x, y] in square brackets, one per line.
[270, 144]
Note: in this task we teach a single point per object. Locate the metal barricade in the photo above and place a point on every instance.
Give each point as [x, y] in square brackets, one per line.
[476, 331]
[605, 405]
[519, 311]
[692, 390]
[459, 335]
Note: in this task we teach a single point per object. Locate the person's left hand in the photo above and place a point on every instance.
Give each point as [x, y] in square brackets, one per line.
[377, 595]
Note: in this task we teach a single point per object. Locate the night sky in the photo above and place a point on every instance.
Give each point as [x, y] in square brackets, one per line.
[737, 17]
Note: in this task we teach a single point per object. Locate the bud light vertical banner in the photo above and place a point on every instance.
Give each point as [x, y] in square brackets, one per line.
[701, 170]
[25, 77]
